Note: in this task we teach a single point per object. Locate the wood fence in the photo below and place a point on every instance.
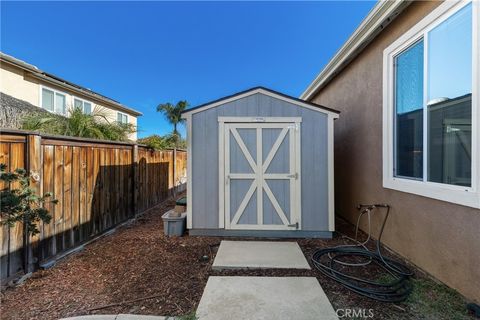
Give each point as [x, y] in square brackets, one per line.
[98, 185]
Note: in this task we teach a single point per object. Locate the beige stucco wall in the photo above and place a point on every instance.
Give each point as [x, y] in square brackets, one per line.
[19, 84]
[12, 83]
[439, 237]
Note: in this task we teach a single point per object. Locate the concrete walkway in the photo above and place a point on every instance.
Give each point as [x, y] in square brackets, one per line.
[266, 298]
[275, 298]
[259, 255]
[119, 317]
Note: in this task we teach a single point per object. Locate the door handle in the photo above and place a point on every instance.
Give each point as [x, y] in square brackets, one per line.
[295, 175]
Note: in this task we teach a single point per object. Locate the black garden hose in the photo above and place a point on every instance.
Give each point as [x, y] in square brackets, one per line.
[330, 260]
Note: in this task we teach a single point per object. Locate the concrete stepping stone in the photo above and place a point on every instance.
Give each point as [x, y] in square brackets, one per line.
[259, 254]
[275, 298]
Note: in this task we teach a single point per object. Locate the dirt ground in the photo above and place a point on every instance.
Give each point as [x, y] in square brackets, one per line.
[139, 270]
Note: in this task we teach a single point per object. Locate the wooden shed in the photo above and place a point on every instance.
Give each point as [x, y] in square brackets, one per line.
[260, 163]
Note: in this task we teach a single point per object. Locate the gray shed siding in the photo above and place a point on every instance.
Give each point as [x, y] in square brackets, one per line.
[314, 155]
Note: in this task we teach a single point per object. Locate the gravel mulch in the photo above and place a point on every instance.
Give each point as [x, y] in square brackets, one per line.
[139, 270]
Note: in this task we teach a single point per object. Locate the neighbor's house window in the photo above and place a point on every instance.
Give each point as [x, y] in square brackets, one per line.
[83, 105]
[54, 101]
[122, 118]
[428, 106]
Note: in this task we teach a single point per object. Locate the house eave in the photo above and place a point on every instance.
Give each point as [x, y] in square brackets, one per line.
[382, 14]
[90, 95]
[36, 73]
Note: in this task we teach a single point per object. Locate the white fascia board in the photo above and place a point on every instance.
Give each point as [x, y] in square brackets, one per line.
[379, 17]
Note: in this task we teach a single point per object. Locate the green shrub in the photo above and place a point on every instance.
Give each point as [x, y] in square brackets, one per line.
[168, 141]
[22, 204]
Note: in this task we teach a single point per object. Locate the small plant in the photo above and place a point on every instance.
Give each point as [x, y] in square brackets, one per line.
[22, 204]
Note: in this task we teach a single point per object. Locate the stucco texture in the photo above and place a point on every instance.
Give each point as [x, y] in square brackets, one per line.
[440, 237]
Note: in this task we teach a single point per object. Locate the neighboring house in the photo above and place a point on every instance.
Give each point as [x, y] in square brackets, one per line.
[407, 85]
[26, 82]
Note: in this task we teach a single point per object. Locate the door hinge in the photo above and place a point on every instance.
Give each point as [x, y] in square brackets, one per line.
[294, 225]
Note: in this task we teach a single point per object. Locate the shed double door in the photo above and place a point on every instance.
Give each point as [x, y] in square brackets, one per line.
[262, 176]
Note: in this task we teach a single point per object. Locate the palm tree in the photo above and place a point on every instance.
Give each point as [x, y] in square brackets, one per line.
[173, 114]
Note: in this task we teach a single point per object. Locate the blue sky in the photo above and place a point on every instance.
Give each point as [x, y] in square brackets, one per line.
[146, 53]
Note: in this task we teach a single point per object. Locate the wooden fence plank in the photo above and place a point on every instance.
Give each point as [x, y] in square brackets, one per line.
[142, 179]
[5, 159]
[5, 232]
[102, 192]
[34, 163]
[67, 198]
[48, 243]
[58, 222]
[16, 239]
[90, 180]
[94, 217]
[115, 196]
[128, 155]
[76, 172]
[135, 179]
[113, 188]
[107, 185]
[83, 217]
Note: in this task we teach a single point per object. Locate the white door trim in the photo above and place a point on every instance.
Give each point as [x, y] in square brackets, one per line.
[189, 172]
[290, 126]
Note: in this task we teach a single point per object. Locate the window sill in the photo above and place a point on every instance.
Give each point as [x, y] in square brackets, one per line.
[54, 112]
[455, 194]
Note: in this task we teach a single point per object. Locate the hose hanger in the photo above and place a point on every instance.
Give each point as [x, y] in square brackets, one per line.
[335, 262]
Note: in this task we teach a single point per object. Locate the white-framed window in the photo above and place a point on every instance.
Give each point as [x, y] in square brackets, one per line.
[85, 106]
[122, 118]
[53, 100]
[431, 111]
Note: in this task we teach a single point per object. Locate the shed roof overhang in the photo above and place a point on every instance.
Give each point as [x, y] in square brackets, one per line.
[382, 14]
[262, 90]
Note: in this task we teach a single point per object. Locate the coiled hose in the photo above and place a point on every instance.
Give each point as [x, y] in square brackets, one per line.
[329, 261]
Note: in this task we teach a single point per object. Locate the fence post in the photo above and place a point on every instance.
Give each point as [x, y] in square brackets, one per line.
[135, 178]
[34, 167]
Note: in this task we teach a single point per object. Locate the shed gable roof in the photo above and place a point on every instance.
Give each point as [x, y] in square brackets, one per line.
[265, 91]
